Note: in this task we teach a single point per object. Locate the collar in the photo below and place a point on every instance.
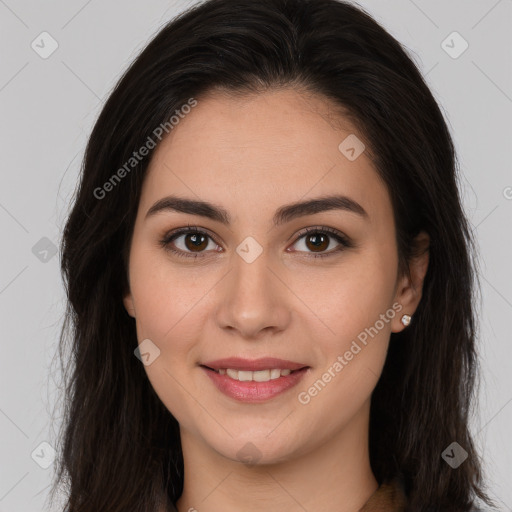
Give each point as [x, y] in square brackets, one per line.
[389, 497]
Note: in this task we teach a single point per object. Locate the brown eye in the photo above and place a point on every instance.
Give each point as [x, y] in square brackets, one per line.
[195, 242]
[318, 240]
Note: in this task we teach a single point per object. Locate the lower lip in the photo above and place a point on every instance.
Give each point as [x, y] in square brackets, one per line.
[252, 391]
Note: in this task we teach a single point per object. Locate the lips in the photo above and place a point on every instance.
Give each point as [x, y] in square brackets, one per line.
[248, 381]
[252, 391]
[252, 365]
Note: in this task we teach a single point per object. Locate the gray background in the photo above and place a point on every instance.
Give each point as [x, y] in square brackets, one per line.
[48, 107]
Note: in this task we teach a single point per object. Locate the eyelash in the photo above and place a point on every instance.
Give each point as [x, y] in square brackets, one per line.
[325, 230]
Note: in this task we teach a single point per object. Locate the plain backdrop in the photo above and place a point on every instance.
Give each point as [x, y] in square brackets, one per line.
[49, 103]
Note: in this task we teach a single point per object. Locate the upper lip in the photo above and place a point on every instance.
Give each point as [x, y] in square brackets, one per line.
[264, 363]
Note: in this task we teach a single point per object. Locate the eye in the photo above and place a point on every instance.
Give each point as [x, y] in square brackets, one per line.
[196, 241]
[319, 239]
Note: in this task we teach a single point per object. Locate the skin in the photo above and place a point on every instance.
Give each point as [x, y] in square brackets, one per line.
[252, 155]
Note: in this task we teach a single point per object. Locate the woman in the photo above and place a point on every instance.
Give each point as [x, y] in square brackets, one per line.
[269, 276]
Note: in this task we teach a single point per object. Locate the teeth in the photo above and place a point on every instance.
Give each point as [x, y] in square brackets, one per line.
[232, 373]
[244, 376]
[274, 374]
[259, 376]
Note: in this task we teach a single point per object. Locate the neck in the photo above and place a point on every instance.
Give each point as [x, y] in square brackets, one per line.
[334, 475]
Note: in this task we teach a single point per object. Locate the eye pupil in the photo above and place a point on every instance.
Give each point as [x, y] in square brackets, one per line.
[197, 239]
[318, 244]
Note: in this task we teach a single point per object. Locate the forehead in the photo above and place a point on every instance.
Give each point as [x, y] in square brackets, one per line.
[264, 150]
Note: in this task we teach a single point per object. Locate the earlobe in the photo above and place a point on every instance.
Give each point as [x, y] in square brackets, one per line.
[128, 304]
[409, 291]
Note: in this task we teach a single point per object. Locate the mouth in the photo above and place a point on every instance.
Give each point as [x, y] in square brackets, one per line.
[254, 381]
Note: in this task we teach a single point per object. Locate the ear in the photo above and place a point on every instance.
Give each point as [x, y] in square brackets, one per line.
[128, 304]
[410, 287]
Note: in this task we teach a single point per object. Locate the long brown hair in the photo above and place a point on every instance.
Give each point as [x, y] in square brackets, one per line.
[120, 446]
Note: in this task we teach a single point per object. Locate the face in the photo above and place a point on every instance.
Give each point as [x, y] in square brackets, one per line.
[319, 287]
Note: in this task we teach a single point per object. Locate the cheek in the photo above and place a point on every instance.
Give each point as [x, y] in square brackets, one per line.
[358, 316]
[349, 297]
[354, 303]
[163, 294]
[164, 301]
[356, 307]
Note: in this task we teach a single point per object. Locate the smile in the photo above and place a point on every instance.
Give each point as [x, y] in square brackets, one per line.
[254, 386]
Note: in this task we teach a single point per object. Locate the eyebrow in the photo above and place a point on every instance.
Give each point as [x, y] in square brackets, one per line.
[282, 215]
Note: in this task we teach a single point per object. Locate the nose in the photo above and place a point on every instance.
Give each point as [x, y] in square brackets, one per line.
[253, 299]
